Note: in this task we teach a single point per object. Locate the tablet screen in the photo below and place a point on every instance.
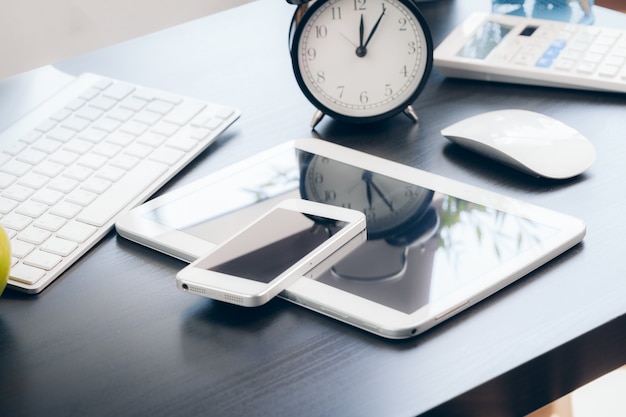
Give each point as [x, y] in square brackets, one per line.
[422, 244]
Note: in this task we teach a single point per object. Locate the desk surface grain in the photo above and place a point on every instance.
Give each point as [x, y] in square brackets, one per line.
[113, 336]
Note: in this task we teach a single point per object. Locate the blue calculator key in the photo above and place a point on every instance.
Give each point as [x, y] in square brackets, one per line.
[544, 62]
[552, 52]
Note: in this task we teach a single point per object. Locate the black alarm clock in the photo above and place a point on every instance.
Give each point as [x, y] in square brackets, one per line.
[360, 60]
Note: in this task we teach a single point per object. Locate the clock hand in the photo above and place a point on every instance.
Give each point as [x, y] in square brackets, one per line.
[381, 195]
[362, 49]
[375, 27]
[361, 32]
[367, 177]
[369, 193]
[348, 39]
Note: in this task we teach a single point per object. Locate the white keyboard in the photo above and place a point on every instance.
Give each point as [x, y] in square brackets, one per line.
[514, 49]
[92, 151]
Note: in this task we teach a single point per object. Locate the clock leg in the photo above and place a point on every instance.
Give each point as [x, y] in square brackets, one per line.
[317, 117]
[411, 113]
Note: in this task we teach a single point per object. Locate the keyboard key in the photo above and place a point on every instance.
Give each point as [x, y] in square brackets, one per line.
[15, 221]
[48, 196]
[43, 260]
[167, 156]
[6, 180]
[78, 173]
[103, 103]
[96, 185]
[63, 184]
[48, 168]
[183, 114]
[21, 249]
[81, 197]
[6, 205]
[32, 209]
[76, 231]
[118, 91]
[121, 193]
[33, 180]
[31, 156]
[61, 134]
[33, 235]
[15, 168]
[66, 210]
[50, 222]
[18, 192]
[58, 246]
[26, 274]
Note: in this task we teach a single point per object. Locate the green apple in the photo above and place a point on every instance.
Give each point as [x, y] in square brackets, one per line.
[5, 259]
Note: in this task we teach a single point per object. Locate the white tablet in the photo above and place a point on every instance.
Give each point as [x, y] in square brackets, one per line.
[435, 246]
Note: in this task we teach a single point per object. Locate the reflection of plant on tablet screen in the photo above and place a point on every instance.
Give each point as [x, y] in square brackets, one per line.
[282, 179]
[466, 225]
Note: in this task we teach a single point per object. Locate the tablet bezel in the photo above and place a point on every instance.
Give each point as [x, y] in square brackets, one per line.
[356, 310]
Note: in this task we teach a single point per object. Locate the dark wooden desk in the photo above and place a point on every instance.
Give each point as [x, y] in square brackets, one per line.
[113, 336]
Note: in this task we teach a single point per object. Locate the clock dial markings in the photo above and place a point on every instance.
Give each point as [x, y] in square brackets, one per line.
[387, 64]
[358, 98]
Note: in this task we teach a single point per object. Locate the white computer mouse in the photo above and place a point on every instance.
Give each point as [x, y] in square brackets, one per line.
[531, 142]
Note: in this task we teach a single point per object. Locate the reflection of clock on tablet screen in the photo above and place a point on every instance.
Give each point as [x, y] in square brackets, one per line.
[389, 205]
[430, 239]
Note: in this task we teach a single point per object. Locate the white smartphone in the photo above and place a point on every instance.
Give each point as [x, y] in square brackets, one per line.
[434, 246]
[268, 255]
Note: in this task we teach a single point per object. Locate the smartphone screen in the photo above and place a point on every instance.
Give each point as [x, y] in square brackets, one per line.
[272, 245]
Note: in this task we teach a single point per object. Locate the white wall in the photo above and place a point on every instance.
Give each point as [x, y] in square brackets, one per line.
[34, 33]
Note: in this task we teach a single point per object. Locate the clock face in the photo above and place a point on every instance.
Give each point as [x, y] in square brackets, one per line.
[390, 205]
[362, 59]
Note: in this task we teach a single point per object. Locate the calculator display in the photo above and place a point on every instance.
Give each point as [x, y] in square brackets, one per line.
[486, 38]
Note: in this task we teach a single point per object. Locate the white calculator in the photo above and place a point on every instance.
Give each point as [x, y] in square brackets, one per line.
[505, 48]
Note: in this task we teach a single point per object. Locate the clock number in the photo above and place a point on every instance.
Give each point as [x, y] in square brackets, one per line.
[412, 48]
[363, 98]
[404, 71]
[340, 89]
[321, 77]
[388, 90]
[359, 4]
[402, 21]
[311, 53]
[336, 13]
[321, 31]
[411, 192]
[330, 195]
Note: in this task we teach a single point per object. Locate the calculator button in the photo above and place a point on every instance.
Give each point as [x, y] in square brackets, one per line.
[618, 61]
[608, 71]
[591, 57]
[524, 59]
[565, 65]
[586, 67]
[544, 62]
